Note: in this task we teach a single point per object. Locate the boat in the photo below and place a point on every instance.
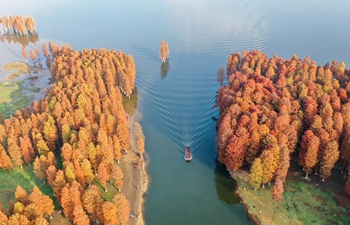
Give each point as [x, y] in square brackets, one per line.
[188, 154]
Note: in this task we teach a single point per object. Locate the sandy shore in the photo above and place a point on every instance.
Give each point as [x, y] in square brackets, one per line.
[135, 178]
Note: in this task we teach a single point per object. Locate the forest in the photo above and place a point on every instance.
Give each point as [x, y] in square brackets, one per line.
[74, 138]
[275, 111]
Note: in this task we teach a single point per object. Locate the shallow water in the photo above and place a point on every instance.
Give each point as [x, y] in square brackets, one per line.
[175, 101]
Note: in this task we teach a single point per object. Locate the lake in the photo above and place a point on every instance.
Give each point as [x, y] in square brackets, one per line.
[176, 102]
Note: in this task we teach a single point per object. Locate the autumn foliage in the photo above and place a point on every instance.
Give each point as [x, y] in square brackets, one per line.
[17, 24]
[164, 51]
[273, 107]
[82, 121]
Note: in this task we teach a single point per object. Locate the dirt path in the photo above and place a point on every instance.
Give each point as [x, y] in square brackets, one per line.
[135, 178]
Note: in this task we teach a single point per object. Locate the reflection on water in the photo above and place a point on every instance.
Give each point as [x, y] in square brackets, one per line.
[225, 185]
[164, 69]
[24, 40]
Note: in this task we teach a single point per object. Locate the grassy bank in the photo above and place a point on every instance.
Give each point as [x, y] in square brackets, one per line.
[12, 97]
[303, 203]
[20, 177]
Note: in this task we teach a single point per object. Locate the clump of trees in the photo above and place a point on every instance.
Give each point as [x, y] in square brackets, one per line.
[81, 120]
[273, 107]
[164, 51]
[17, 25]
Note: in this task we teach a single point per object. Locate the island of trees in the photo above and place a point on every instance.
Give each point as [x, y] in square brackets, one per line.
[74, 138]
[17, 25]
[273, 111]
[164, 51]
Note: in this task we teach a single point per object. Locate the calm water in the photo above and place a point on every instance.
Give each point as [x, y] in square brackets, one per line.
[176, 101]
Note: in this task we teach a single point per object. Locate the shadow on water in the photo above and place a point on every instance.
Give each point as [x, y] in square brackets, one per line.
[225, 185]
[164, 69]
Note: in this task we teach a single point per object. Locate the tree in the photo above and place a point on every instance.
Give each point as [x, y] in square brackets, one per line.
[38, 168]
[3, 134]
[330, 156]
[234, 153]
[37, 53]
[283, 165]
[123, 136]
[164, 51]
[80, 217]
[51, 174]
[277, 190]
[220, 75]
[50, 133]
[116, 148]
[5, 161]
[253, 147]
[308, 155]
[27, 148]
[32, 211]
[87, 171]
[42, 147]
[58, 184]
[91, 150]
[270, 73]
[66, 133]
[224, 134]
[117, 174]
[310, 109]
[18, 219]
[21, 195]
[79, 173]
[267, 159]
[109, 213]
[45, 204]
[14, 150]
[93, 202]
[24, 54]
[103, 175]
[32, 55]
[69, 172]
[66, 203]
[122, 207]
[76, 191]
[256, 174]
[66, 151]
[3, 218]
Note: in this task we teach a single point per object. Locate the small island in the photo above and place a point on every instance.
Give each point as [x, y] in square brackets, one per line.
[164, 51]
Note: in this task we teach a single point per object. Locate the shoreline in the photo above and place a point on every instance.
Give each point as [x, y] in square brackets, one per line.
[136, 178]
